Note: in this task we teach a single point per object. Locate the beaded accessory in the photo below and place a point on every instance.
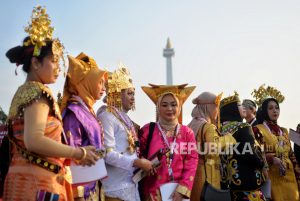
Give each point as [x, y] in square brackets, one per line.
[27, 94]
[29, 156]
[169, 155]
[132, 138]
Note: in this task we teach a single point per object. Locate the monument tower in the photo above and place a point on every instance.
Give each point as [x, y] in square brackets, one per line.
[169, 53]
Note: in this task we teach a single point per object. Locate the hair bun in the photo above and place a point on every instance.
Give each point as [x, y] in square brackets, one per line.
[16, 55]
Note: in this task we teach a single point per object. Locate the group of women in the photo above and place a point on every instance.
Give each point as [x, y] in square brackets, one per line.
[46, 136]
[271, 160]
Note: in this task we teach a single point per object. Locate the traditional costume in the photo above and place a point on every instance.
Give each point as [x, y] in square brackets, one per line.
[176, 166]
[207, 133]
[120, 140]
[79, 119]
[241, 169]
[34, 176]
[275, 140]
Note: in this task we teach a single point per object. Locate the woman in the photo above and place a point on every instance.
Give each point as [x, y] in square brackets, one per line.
[241, 169]
[174, 141]
[83, 87]
[120, 139]
[37, 168]
[205, 115]
[279, 154]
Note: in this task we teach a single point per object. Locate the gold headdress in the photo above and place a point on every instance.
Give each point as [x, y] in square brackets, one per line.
[40, 31]
[218, 102]
[263, 93]
[117, 81]
[180, 91]
[218, 99]
[230, 99]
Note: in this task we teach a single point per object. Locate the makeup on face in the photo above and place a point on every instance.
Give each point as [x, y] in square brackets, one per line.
[273, 111]
[128, 99]
[168, 108]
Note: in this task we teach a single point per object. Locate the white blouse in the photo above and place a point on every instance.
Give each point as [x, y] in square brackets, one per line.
[119, 163]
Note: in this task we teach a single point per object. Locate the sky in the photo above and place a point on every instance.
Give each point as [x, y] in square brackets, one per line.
[220, 45]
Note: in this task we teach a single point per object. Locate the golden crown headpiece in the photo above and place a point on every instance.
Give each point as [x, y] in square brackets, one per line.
[230, 99]
[40, 31]
[182, 92]
[263, 93]
[117, 81]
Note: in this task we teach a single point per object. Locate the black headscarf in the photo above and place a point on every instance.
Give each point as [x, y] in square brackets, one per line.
[230, 112]
[262, 112]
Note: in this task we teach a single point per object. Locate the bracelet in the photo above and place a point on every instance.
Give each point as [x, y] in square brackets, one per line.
[80, 191]
[84, 153]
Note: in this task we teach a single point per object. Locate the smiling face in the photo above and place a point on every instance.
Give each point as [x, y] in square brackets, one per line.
[47, 70]
[273, 110]
[168, 108]
[128, 100]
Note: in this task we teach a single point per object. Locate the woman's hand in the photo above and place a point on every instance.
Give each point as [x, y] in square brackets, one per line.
[177, 196]
[152, 172]
[87, 155]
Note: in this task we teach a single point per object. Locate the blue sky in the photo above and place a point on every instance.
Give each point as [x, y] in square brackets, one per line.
[220, 46]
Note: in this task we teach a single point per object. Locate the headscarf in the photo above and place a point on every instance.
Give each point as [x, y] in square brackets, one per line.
[205, 104]
[82, 79]
[161, 120]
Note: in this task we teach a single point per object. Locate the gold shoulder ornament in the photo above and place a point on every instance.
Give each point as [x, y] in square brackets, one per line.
[27, 94]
